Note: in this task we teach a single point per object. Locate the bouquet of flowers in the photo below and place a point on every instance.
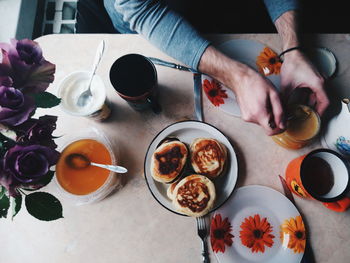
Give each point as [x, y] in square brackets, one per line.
[27, 147]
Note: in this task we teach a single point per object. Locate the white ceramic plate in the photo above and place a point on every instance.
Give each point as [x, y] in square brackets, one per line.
[251, 200]
[245, 51]
[187, 131]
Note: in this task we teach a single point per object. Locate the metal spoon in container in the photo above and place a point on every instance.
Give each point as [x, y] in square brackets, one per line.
[79, 161]
[85, 97]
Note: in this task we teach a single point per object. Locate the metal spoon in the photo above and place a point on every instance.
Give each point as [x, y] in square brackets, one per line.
[85, 97]
[79, 161]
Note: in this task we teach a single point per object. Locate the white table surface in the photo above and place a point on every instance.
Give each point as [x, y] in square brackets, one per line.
[129, 226]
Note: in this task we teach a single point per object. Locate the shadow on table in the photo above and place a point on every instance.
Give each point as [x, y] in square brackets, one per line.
[242, 167]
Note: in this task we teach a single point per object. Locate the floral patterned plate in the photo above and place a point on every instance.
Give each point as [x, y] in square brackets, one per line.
[257, 224]
[252, 53]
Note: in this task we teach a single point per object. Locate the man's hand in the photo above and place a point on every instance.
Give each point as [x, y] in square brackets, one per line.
[257, 98]
[259, 101]
[298, 72]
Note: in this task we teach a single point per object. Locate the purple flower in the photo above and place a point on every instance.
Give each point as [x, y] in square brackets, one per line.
[26, 165]
[15, 107]
[23, 61]
[37, 131]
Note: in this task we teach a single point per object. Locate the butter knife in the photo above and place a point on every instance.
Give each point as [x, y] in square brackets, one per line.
[197, 79]
[308, 254]
[164, 63]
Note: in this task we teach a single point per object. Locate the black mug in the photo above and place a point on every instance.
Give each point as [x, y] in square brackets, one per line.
[134, 77]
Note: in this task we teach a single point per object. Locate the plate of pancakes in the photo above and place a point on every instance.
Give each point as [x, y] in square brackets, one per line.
[191, 168]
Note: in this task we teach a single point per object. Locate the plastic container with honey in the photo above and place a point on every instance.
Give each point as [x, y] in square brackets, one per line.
[302, 127]
[90, 184]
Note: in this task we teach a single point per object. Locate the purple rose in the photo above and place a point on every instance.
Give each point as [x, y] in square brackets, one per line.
[24, 63]
[15, 108]
[26, 165]
[28, 52]
[37, 131]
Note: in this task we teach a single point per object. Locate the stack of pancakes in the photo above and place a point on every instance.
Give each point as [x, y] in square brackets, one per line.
[194, 194]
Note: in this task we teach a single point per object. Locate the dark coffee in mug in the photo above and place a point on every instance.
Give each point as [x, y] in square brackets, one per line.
[134, 77]
[325, 176]
[318, 176]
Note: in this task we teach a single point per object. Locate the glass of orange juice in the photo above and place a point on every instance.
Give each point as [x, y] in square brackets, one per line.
[91, 183]
[302, 127]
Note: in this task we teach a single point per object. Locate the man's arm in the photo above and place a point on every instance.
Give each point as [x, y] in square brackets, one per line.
[288, 29]
[164, 28]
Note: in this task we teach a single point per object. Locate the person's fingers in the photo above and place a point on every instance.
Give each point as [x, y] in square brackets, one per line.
[267, 123]
[322, 101]
[266, 120]
[277, 110]
[312, 100]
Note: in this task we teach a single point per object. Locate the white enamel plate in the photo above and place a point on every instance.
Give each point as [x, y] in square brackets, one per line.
[271, 206]
[187, 131]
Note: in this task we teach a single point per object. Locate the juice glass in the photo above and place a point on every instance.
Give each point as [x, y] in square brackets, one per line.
[302, 127]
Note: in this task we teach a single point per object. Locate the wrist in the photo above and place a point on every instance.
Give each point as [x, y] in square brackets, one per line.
[291, 52]
[288, 29]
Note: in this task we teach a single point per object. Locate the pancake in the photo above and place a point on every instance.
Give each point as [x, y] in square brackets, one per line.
[170, 190]
[168, 161]
[208, 157]
[194, 195]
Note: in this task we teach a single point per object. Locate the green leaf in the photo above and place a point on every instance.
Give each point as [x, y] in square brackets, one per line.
[2, 191]
[16, 204]
[43, 206]
[4, 202]
[46, 100]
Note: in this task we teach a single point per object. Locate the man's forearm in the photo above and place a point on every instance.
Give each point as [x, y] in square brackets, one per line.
[219, 66]
[288, 29]
[163, 27]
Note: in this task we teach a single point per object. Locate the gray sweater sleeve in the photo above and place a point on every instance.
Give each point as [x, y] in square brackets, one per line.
[277, 7]
[171, 33]
[164, 28]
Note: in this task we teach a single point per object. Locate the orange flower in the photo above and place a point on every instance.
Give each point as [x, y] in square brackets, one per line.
[220, 234]
[268, 62]
[293, 232]
[214, 92]
[255, 233]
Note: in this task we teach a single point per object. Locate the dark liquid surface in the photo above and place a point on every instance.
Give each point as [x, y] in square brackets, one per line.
[132, 75]
[317, 176]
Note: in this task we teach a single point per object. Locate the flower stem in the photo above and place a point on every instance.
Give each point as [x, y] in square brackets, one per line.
[21, 191]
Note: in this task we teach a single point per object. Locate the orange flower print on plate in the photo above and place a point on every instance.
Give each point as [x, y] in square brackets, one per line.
[256, 233]
[220, 233]
[215, 93]
[293, 234]
[268, 62]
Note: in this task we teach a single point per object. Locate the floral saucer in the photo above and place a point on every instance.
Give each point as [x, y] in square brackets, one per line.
[257, 224]
[254, 54]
